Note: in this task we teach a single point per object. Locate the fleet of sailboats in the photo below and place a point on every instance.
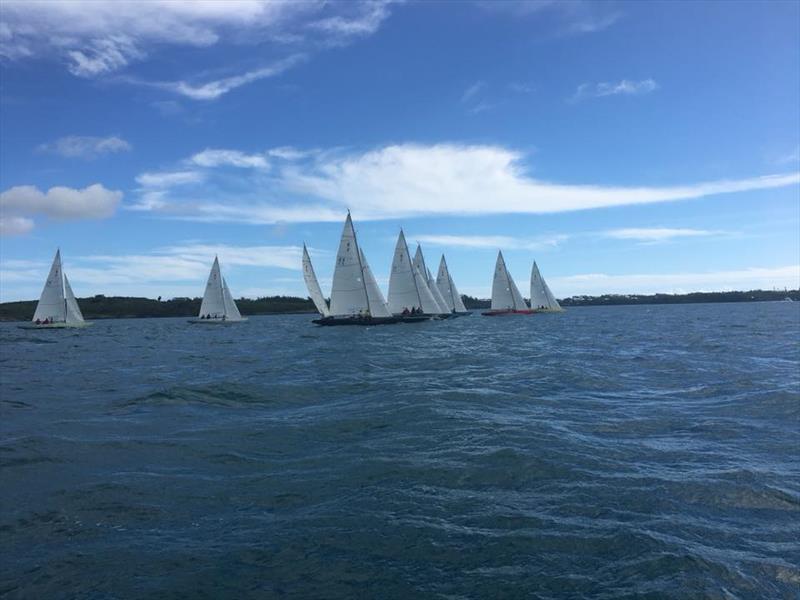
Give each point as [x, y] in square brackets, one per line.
[218, 305]
[355, 299]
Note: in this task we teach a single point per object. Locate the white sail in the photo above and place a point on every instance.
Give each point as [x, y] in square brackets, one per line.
[505, 293]
[52, 304]
[231, 310]
[419, 263]
[377, 303]
[403, 294]
[541, 296]
[349, 292]
[314, 291]
[74, 315]
[213, 304]
[447, 288]
[427, 301]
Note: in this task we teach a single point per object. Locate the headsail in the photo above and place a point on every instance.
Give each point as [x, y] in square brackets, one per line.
[377, 304]
[52, 304]
[541, 296]
[312, 284]
[447, 288]
[74, 314]
[231, 310]
[419, 263]
[505, 293]
[213, 304]
[348, 292]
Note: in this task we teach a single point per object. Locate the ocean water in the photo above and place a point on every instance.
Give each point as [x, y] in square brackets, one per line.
[607, 452]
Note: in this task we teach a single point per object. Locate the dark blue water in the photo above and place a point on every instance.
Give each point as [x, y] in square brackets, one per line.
[604, 453]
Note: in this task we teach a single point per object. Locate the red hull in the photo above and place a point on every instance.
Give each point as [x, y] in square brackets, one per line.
[503, 313]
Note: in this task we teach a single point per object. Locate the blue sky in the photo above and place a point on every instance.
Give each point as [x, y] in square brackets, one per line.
[627, 147]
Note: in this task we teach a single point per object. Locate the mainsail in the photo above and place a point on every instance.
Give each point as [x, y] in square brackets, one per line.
[447, 288]
[348, 292]
[541, 296]
[314, 291]
[505, 293]
[52, 304]
[419, 263]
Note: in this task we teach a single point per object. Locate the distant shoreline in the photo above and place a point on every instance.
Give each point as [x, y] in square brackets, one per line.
[118, 307]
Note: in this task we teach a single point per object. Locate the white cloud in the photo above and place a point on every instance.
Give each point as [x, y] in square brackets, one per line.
[214, 89]
[674, 283]
[85, 146]
[493, 242]
[657, 234]
[415, 180]
[99, 37]
[788, 158]
[233, 158]
[472, 91]
[604, 88]
[15, 225]
[168, 178]
[20, 202]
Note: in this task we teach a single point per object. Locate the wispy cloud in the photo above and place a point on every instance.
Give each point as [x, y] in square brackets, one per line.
[788, 158]
[474, 100]
[19, 203]
[211, 90]
[166, 179]
[85, 146]
[472, 91]
[493, 242]
[659, 234]
[96, 38]
[605, 88]
[405, 181]
[211, 157]
[572, 17]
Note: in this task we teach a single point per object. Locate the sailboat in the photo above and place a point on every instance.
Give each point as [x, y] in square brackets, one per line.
[542, 299]
[409, 295]
[506, 299]
[356, 298]
[57, 307]
[419, 263]
[218, 305]
[448, 291]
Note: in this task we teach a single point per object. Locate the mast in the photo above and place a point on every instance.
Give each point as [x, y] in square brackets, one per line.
[221, 290]
[63, 289]
[360, 264]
